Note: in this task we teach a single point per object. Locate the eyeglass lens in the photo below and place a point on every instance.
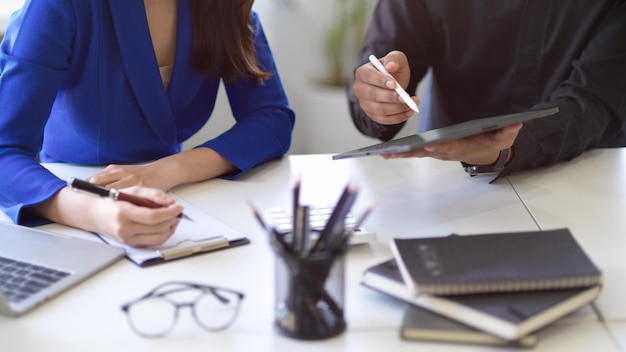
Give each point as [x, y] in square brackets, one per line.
[153, 316]
[216, 311]
[212, 309]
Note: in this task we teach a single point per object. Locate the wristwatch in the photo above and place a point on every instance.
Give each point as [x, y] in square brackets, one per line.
[495, 168]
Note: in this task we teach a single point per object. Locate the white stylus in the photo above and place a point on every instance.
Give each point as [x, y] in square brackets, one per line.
[403, 94]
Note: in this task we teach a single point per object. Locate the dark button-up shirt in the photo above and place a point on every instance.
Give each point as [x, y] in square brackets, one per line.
[491, 57]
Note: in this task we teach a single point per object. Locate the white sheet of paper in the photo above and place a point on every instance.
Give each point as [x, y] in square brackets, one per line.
[203, 227]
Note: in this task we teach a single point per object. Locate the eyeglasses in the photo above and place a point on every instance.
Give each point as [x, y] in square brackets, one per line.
[156, 313]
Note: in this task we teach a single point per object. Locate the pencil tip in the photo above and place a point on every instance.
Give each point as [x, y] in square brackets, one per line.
[252, 206]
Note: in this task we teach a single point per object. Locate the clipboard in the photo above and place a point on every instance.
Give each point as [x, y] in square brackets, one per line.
[204, 234]
[185, 252]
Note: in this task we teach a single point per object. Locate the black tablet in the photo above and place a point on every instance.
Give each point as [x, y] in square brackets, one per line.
[438, 135]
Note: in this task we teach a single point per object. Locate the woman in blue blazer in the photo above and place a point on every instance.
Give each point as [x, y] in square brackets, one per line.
[113, 82]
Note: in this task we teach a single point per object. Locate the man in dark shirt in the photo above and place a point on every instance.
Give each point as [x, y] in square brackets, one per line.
[497, 57]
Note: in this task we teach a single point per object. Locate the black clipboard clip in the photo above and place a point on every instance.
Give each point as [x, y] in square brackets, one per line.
[189, 247]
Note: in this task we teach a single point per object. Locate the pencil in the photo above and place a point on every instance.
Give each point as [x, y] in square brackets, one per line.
[296, 226]
[270, 229]
[336, 222]
[341, 240]
[365, 214]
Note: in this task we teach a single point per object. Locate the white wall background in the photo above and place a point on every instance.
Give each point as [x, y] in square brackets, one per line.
[6, 8]
[323, 124]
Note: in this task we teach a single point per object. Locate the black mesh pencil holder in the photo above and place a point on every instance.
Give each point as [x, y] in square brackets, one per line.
[309, 296]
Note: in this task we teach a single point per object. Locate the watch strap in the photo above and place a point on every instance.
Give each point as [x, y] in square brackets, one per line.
[495, 168]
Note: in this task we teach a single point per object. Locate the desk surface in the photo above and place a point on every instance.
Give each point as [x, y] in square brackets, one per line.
[588, 195]
[416, 197]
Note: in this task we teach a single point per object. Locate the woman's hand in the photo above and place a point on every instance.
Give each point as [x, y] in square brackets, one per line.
[193, 165]
[125, 222]
[135, 225]
[123, 176]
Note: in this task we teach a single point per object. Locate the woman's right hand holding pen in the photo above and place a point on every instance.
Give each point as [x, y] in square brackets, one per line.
[130, 224]
[140, 226]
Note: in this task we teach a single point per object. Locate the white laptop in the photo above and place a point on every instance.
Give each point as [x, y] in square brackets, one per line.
[37, 265]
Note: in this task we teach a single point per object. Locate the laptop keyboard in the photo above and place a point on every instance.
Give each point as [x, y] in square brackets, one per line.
[319, 215]
[20, 280]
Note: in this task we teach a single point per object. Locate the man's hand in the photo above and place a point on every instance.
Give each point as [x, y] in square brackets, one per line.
[480, 149]
[375, 90]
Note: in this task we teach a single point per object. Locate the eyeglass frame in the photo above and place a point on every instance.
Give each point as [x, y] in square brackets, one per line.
[191, 304]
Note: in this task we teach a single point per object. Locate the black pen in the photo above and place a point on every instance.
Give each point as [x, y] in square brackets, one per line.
[114, 194]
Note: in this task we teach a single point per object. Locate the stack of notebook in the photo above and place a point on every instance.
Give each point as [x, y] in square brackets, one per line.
[490, 289]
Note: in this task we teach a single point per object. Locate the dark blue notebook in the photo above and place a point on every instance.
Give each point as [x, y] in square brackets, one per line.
[498, 262]
[511, 315]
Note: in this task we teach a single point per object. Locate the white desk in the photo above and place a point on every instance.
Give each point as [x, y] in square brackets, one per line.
[7, 7]
[588, 195]
[416, 197]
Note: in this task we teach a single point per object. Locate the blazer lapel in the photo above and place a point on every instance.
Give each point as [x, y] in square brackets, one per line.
[185, 81]
[140, 65]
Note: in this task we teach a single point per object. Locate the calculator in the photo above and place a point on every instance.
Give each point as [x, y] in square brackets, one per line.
[318, 215]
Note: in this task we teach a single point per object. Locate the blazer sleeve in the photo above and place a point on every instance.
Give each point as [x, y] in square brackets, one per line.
[34, 56]
[264, 120]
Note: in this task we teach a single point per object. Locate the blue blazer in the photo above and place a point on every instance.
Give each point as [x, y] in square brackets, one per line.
[79, 83]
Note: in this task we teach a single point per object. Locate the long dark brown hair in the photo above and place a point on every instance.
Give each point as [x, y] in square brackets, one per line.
[223, 41]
